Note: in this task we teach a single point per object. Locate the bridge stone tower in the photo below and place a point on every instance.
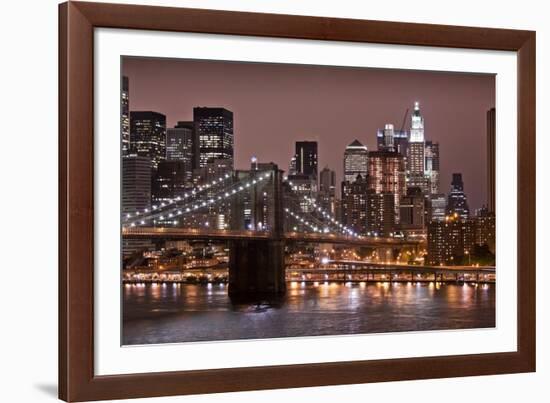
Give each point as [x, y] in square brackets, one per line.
[256, 266]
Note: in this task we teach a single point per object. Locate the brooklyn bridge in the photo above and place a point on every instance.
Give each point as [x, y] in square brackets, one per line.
[258, 212]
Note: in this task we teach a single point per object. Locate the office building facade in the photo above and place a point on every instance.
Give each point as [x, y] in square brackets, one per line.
[355, 161]
[457, 201]
[214, 131]
[306, 158]
[148, 136]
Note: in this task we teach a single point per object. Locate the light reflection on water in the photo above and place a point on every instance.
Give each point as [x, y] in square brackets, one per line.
[171, 313]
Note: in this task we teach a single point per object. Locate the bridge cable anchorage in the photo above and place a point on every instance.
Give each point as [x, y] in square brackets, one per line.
[193, 206]
[187, 195]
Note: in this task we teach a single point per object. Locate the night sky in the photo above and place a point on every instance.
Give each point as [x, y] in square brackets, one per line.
[275, 105]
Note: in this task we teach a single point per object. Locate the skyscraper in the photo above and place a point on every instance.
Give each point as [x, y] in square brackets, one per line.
[386, 174]
[381, 218]
[292, 166]
[485, 228]
[437, 207]
[169, 181]
[306, 158]
[417, 127]
[457, 202]
[450, 240]
[491, 132]
[125, 115]
[416, 152]
[148, 136]
[180, 146]
[354, 204]
[304, 186]
[355, 161]
[411, 212]
[432, 166]
[327, 190]
[214, 130]
[136, 197]
[136, 184]
[388, 138]
[400, 140]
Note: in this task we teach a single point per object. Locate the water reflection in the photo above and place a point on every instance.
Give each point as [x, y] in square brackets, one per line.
[171, 313]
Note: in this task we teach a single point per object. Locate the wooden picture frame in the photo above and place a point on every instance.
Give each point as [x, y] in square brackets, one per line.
[77, 381]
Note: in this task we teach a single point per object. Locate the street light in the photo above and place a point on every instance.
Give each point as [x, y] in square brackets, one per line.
[469, 258]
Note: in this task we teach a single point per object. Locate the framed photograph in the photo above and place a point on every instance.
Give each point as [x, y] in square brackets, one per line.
[257, 201]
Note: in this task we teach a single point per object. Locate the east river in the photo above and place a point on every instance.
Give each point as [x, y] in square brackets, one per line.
[173, 313]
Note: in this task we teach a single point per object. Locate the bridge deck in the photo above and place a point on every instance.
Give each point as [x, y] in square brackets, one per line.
[202, 234]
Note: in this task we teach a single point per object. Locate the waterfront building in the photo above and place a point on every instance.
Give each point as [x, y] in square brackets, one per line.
[148, 136]
[485, 225]
[125, 115]
[457, 200]
[450, 240]
[355, 161]
[214, 131]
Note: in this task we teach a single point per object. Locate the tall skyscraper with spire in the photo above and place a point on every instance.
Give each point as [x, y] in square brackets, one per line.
[416, 161]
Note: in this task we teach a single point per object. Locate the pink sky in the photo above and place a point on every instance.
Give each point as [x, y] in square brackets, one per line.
[275, 105]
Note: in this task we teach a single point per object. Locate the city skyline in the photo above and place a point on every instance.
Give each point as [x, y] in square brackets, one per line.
[229, 206]
[279, 147]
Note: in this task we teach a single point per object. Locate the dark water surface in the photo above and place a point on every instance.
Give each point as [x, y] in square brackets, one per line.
[172, 313]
